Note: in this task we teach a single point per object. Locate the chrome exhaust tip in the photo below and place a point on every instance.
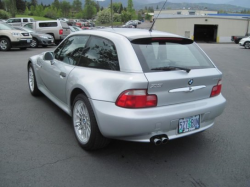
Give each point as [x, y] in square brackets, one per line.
[164, 140]
[157, 141]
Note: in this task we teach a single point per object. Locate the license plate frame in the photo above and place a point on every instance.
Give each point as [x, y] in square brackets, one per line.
[189, 124]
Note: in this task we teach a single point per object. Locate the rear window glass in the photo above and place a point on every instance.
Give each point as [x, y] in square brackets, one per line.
[64, 25]
[163, 52]
[48, 24]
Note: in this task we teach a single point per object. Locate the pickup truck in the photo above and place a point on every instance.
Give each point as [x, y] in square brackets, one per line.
[236, 39]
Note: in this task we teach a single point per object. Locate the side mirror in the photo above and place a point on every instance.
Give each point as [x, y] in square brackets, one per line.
[49, 56]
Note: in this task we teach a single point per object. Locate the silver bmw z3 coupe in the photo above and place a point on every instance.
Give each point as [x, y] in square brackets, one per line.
[132, 85]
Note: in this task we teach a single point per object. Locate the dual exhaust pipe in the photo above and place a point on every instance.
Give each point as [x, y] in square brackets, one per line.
[159, 139]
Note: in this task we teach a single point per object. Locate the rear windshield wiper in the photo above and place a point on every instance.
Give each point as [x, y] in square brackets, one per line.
[170, 68]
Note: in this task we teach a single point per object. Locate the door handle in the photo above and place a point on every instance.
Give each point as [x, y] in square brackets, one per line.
[62, 74]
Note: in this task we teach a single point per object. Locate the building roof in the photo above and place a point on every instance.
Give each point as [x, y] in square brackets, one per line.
[169, 16]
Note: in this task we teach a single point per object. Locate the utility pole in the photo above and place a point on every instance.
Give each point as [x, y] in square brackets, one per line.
[111, 13]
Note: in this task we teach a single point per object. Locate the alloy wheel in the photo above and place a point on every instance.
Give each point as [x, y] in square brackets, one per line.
[81, 120]
[31, 79]
[3, 44]
[33, 43]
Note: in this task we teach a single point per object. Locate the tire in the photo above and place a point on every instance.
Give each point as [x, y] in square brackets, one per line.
[247, 45]
[44, 45]
[32, 81]
[23, 48]
[4, 44]
[85, 126]
[34, 43]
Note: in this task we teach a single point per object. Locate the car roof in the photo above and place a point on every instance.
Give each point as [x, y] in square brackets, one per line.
[132, 34]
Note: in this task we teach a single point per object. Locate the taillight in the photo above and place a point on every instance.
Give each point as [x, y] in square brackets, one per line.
[216, 89]
[61, 31]
[136, 99]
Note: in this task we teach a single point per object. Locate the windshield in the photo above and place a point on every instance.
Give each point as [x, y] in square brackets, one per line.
[5, 27]
[164, 52]
[28, 29]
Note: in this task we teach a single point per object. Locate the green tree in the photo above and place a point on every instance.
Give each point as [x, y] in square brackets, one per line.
[126, 16]
[1, 5]
[121, 9]
[157, 8]
[20, 4]
[77, 5]
[56, 4]
[34, 2]
[27, 11]
[116, 7]
[130, 7]
[10, 6]
[89, 10]
[104, 16]
[65, 8]
[4, 14]
[39, 11]
[148, 17]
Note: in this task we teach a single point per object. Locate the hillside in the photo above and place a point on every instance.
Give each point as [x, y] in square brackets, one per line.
[139, 4]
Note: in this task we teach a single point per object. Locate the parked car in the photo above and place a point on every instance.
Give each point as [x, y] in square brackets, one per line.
[245, 42]
[3, 20]
[19, 21]
[131, 22]
[58, 29]
[137, 21]
[236, 39]
[63, 19]
[11, 38]
[128, 26]
[132, 85]
[38, 38]
[77, 28]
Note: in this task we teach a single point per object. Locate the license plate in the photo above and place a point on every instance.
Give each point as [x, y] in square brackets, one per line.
[189, 124]
[28, 41]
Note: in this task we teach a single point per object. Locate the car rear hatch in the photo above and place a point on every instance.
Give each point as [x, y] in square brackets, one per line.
[177, 70]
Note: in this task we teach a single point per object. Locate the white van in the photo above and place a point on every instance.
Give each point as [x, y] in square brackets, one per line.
[19, 21]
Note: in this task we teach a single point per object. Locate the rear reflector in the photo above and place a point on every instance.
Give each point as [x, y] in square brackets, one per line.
[216, 89]
[136, 99]
[61, 31]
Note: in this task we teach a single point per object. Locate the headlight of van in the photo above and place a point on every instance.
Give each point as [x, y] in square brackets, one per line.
[16, 34]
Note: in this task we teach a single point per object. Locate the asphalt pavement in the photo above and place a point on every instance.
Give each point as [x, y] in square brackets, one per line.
[38, 147]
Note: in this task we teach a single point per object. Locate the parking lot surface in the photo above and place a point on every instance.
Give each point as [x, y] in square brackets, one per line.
[38, 147]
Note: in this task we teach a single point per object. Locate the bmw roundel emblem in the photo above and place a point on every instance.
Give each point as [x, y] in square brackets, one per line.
[190, 82]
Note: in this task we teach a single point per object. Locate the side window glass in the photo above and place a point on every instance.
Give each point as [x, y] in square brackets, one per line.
[25, 20]
[17, 20]
[71, 49]
[100, 53]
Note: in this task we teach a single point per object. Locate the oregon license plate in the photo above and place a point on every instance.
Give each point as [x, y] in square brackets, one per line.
[189, 124]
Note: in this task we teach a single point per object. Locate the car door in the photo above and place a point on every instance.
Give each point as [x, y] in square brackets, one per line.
[55, 73]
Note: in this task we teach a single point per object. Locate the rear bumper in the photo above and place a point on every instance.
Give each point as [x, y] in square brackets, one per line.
[141, 124]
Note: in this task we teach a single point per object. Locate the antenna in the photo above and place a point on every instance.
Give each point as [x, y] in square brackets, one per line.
[151, 28]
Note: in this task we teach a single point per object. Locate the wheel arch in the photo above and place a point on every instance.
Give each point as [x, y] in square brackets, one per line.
[74, 93]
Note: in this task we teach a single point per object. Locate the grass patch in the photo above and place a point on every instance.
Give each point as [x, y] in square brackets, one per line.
[37, 18]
